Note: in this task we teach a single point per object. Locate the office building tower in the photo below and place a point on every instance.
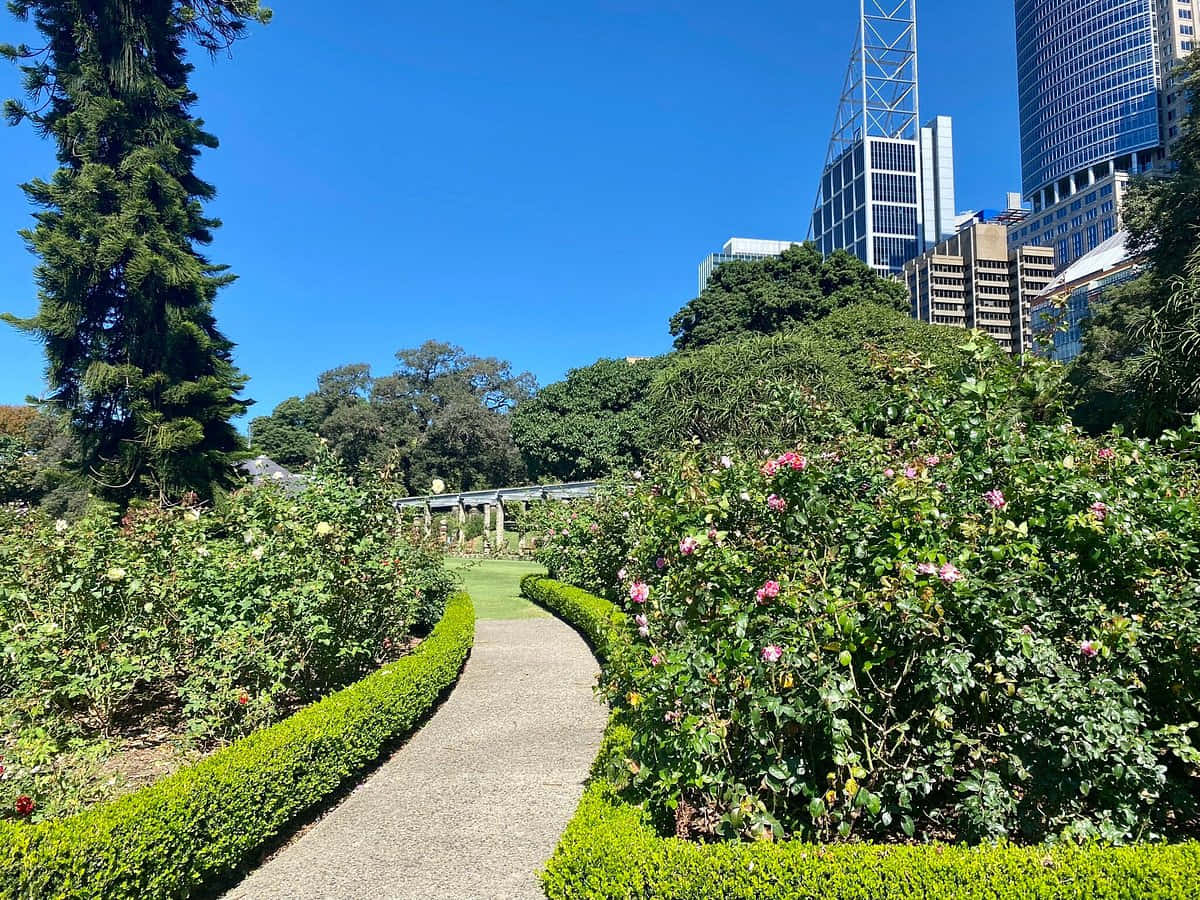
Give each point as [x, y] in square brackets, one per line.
[887, 190]
[1091, 76]
[973, 280]
[739, 248]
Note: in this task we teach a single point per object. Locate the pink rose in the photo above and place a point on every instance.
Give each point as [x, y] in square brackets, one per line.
[656, 660]
[688, 546]
[777, 503]
[927, 568]
[769, 468]
[949, 573]
[932, 461]
[772, 654]
[995, 499]
[768, 591]
[1090, 649]
[1107, 454]
[639, 592]
[1099, 511]
[910, 472]
[889, 473]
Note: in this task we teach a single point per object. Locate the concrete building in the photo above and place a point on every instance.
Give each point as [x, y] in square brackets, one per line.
[739, 248]
[887, 190]
[1058, 314]
[973, 280]
[1099, 104]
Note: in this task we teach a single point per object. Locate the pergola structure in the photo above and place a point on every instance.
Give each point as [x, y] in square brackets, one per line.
[491, 501]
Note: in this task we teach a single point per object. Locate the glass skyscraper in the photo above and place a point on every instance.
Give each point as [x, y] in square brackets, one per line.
[1099, 103]
[1088, 83]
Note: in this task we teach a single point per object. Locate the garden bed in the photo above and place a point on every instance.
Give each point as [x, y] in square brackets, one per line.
[199, 825]
[611, 849]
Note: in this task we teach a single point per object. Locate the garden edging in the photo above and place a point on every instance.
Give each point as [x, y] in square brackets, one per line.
[201, 824]
[610, 850]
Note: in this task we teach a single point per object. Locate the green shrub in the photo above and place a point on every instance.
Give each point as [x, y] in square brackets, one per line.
[978, 625]
[611, 850]
[199, 624]
[199, 825]
[742, 393]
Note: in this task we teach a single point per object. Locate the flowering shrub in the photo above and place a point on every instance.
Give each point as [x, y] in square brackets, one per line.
[585, 542]
[965, 622]
[193, 625]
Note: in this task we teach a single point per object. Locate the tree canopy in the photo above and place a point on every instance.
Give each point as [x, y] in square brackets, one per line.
[442, 413]
[594, 422]
[776, 294]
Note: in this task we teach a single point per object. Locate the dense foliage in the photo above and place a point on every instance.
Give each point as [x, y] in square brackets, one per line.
[134, 355]
[596, 421]
[441, 414]
[1140, 365]
[968, 623]
[185, 834]
[192, 625]
[611, 849]
[741, 392]
[777, 294]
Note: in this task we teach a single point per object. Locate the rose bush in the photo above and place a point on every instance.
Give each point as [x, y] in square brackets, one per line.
[193, 625]
[963, 621]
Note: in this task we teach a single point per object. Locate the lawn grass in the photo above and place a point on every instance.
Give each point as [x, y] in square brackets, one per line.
[495, 587]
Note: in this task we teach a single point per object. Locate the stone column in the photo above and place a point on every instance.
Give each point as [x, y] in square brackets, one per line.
[428, 519]
[462, 522]
[487, 517]
[500, 544]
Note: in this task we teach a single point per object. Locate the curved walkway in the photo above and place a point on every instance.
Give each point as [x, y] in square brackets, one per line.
[473, 805]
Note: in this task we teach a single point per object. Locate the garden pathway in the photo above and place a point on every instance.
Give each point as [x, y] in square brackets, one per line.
[473, 804]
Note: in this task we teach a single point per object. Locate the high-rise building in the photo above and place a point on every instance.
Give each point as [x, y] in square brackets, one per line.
[973, 280]
[739, 248]
[887, 190]
[1094, 80]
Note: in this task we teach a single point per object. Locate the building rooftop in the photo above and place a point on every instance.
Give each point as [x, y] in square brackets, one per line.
[1107, 255]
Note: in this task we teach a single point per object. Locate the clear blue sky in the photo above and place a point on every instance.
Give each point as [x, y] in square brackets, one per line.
[532, 180]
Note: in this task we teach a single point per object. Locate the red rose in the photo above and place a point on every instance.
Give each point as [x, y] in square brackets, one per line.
[243, 699]
[25, 805]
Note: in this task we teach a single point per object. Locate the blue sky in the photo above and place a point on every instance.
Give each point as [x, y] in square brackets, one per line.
[531, 180]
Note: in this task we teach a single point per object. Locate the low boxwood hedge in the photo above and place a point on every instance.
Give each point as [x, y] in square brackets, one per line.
[610, 850]
[199, 825]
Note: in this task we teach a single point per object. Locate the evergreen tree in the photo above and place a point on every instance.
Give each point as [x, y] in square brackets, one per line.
[134, 357]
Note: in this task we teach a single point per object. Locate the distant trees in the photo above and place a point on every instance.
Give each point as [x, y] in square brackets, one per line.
[779, 293]
[442, 413]
[596, 421]
[134, 357]
[1140, 366]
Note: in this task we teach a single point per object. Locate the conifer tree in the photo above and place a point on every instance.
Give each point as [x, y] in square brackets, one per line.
[134, 356]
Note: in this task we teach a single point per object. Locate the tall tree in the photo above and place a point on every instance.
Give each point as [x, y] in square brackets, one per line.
[134, 356]
[443, 413]
[780, 293]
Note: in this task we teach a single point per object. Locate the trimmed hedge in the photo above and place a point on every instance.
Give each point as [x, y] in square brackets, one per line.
[199, 825]
[611, 851]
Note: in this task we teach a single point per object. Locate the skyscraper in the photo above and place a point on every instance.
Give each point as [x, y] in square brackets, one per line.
[887, 190]
[1090, 77]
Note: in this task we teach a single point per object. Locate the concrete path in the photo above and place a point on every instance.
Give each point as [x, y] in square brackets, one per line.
[474, 804]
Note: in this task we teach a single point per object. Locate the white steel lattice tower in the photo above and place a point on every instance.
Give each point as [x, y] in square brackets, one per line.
[887, 190]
